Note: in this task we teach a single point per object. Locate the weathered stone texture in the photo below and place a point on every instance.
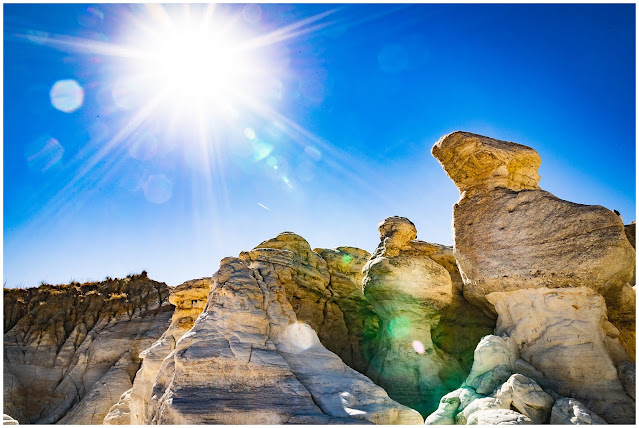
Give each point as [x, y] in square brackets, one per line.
[543, 264]
[189, 300]
[248, 360]
[407, 290]
[476, 162]
[72, 350]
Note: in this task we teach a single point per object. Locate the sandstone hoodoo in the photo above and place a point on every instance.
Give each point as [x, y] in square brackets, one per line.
[544, 265]
[528, 319]
[409, 291]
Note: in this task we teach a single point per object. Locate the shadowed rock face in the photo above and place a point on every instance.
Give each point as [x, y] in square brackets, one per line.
[543, 264]
[408, 290]
[362, 323]
[248, 360]
[70, 351]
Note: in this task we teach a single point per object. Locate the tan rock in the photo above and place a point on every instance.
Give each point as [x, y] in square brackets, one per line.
[120, 412]
[539, 262]
[362, 323]
[446, 411]
[462, 324]
[8, 420]
[526, 397]
[479, 405]
[97, 402]
[506, 240]
[325, 293]
[476, 162]
[189, 299]
[248, 360]
[493, 363]
[510, 235]
[65, 340]
[407, 290]
[622, 309]
[631, 233]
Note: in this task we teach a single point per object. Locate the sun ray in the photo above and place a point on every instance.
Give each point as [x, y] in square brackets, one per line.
[287, 32]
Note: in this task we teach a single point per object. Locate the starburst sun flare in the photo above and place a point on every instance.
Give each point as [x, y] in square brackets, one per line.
[195, 63]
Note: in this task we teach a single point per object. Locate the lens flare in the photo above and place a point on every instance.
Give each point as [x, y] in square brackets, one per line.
[300, 337]
[399, 327]
[157, 189]
[66, 95]
[418, 347]
[313, 153]
[43, 153]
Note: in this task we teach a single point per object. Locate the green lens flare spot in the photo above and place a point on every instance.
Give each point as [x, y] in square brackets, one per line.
[399, 327]
[347, 259]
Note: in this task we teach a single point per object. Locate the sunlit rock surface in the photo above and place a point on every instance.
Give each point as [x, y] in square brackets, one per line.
[509, 234]
[71, 351]
[248, 360]
[462, 324]
[324, 288]
[189, 300]
[8, 420]
[529, 318]
[543, 264]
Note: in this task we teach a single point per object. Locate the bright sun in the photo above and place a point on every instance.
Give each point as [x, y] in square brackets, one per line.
[191, 66]
[194, 64]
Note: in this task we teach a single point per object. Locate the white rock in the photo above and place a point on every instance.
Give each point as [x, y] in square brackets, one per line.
[527, 397]
[568, 411]
[498, 417]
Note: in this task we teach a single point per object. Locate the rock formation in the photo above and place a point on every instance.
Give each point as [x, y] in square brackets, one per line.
[189, 300]
[248, 360]
[71, 351]
[568, 411]
[325, 293]
[362, 323]
[8, 420]
[528, 319]
[409, 291]
[542, 264]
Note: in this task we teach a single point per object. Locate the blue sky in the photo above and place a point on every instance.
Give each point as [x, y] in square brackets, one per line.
[120, 155]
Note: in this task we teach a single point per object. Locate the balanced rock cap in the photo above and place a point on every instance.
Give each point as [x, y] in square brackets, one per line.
[476, 162]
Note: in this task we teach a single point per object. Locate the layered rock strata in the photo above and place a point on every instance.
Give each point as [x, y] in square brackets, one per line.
[248, 360]
[362, 323]
[189, 300]
[71, 351]
[408, 291]
[324, 289]
[542, 264]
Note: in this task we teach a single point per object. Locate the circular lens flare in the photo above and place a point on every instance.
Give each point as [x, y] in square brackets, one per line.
[66, 95]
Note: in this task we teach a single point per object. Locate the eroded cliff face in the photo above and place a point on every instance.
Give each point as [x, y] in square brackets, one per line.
[71, 351]
[247, 359]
